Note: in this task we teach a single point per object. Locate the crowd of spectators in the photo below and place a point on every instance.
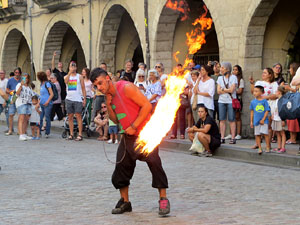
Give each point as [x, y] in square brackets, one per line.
[208, 102]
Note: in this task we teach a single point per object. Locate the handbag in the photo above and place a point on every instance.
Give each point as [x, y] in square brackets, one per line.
[236, 104]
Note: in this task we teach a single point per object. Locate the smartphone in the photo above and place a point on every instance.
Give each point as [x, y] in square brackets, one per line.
[141, 85]
[24, 79]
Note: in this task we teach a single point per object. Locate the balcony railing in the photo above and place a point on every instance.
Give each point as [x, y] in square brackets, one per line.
[53, 5]
[12, 9]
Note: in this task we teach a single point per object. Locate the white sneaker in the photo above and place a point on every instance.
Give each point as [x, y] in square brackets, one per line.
[28, 137]
[116, 142]
[109, 141]
[55, 117]
[22, 138]
[238, 137]
[228, 137]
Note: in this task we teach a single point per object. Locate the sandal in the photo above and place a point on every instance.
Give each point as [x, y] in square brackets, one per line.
[273, 140]
[173, 137]
[254, 146]
[260, 151]
[182, 137]
[275, 150]
[71, 137]
[79, 138]
[100, 138]
[103, 138]
[232, 141]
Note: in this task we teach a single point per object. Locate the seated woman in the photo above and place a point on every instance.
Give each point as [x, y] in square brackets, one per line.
[208, 132]
[101, 121]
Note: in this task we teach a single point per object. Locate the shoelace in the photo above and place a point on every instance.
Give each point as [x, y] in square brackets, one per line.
[163, 204]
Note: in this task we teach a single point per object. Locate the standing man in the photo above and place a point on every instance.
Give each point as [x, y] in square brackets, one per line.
[3, 106]
[129, 108]
[10, 89]
[128, 74]
[74, 102]
[60, 74]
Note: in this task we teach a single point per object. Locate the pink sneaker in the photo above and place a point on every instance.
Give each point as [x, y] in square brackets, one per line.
[282, 150]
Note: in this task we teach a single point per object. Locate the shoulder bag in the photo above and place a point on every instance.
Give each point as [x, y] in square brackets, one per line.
[236, 105]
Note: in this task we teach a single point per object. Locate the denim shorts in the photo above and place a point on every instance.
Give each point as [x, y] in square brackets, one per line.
[24, 109]
[225, 108]
[12, 109]
[73, 107]
[113, 129]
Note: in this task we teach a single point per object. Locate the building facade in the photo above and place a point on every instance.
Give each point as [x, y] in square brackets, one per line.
[252, 33]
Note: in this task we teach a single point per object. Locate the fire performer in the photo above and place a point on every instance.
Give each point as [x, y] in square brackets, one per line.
[129, 108]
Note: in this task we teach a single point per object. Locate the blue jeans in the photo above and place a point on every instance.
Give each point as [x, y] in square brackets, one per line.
[5, 109]
[46, 112]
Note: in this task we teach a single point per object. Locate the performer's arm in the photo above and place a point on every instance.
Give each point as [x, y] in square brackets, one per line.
[111, 112]
[132, 92]
[204, 130]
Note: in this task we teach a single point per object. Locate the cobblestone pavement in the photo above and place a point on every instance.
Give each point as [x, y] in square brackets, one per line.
[54, 181]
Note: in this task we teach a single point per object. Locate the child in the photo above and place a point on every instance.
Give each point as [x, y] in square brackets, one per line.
[113, 132]
[101, 121]
[277, 124]
[259, 118]
[35, 118]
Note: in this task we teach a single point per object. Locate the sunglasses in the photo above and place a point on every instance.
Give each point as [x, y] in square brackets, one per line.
[103, 107]
[158, 67]
[141, 76]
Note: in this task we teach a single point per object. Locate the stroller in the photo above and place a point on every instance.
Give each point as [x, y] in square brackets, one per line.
[85, 123]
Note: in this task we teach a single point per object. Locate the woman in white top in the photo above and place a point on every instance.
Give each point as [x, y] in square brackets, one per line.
[140, 81]
[205, 90]
[88, 89]
[270, 89]
[162, 76]
[23, 104]
[227, 84]
[192, 84]
[238, 72]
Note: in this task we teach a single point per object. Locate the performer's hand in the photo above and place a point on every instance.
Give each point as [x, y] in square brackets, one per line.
[130, 131]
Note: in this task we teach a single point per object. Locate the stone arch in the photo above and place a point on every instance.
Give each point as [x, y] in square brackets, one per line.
[60, 36]
[115, 15]
[255, 33]
[167, 20]
[132, 47]
[16, 52]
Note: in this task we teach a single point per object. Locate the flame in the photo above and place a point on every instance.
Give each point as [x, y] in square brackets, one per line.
[165, 112]
[180, 6]
[175, 56]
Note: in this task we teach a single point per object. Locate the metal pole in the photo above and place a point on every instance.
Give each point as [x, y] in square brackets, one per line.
[148, 56]
[31, 39]
[90, 34]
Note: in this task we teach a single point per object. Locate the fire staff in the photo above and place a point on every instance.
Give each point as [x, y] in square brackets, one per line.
[129, 108]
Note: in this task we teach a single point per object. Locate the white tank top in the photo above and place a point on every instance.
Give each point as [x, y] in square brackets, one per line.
[74, 89]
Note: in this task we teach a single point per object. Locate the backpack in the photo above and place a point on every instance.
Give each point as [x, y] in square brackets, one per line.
[55, 92]
[289, 106]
